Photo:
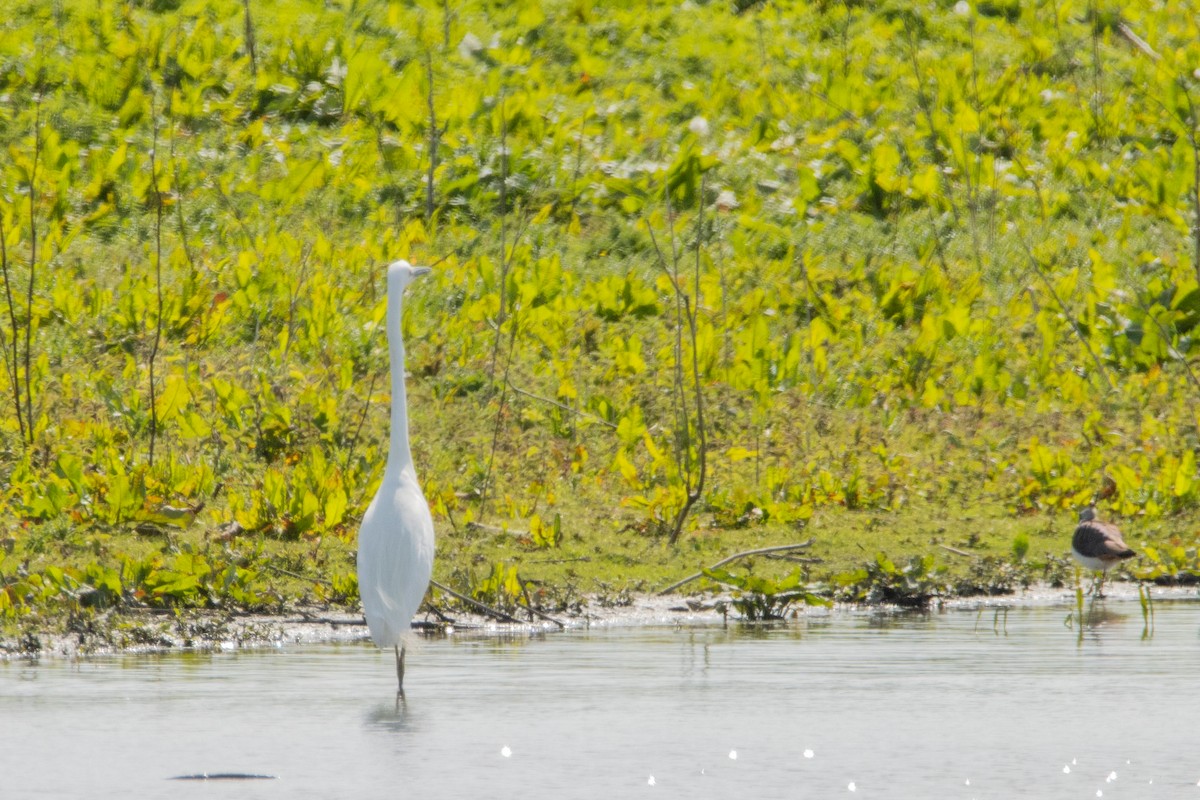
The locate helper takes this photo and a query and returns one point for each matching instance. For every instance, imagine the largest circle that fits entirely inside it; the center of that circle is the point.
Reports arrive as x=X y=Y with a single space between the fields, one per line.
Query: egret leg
x=399 y=670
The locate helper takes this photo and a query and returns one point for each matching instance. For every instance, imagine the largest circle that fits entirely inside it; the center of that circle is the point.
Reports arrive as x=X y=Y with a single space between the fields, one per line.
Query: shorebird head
x=1088 y=514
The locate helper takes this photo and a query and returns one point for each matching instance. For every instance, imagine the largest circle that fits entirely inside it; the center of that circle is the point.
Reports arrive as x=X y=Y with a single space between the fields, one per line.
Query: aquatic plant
x=757 y=598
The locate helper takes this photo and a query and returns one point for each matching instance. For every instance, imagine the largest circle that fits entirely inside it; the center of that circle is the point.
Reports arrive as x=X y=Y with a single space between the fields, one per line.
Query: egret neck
x=400 y=460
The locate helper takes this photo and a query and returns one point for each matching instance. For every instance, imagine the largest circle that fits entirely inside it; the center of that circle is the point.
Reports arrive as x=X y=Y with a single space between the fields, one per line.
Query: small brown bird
x=1098 y=545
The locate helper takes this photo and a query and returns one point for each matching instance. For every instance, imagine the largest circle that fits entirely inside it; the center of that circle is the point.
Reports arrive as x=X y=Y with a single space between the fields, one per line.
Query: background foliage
x=942 y=260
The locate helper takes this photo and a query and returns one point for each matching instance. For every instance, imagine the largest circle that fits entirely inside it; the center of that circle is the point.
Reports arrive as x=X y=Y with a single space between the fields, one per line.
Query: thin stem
x=250 y=48
x=37 y=152
x=695 y=492
x=12 y=363
x=187 y=250
x=1037 y=268
x=503 y=288
x=434 y=136
x=158 y=210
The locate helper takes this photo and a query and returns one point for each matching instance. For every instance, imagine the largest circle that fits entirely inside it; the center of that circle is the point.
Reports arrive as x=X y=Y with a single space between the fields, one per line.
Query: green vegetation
x=899 y=275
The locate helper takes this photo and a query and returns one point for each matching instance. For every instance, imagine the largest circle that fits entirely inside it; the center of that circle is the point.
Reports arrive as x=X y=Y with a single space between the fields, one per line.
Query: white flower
x=469 y=46
x=962 y=8
x=698 y=126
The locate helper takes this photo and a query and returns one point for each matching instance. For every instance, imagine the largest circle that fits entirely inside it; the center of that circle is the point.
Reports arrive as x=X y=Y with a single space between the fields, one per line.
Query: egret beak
x=421 y=270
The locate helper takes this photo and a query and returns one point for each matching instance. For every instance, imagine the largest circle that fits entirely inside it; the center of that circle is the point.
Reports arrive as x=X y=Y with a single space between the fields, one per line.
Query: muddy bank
x=154 y=631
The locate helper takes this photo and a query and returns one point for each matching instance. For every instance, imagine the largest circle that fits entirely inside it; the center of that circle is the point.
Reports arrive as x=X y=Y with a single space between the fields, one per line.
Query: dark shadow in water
x=396 y=716
x=898 y=618
x=1096 y=615
x=225 y=776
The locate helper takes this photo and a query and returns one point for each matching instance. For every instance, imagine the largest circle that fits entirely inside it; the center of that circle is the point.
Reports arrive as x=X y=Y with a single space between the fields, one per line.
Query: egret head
x=401 y=273
x=1088 y=514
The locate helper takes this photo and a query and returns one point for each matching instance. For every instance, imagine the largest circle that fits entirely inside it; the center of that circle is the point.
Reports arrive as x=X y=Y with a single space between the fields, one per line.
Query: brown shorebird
x=1098 y=545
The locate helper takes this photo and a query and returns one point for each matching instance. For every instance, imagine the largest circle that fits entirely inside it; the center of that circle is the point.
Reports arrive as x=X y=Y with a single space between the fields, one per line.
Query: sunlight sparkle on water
x=506 y=751
x=1066 y=769
x=651 y=781
x=852 y=787
x=733 y=754
x=808 y=753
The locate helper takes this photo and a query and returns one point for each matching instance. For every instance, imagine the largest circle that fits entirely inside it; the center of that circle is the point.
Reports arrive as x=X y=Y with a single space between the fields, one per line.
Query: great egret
x=1098 y=545
x=395 y=542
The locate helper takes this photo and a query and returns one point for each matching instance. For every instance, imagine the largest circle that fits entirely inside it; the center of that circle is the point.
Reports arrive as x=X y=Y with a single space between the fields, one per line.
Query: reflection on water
x=941 y=704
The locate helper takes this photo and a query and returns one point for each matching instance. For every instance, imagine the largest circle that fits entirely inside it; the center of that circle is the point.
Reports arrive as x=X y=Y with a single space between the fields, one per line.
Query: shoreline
x=151 y=632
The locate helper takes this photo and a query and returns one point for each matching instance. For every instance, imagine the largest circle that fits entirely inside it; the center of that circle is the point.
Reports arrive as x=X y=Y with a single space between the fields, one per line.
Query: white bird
x=395 y=542
x=1098 y=545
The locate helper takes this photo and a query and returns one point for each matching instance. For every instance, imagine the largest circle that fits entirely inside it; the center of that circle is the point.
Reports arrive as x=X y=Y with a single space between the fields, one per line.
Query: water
x=900 y=706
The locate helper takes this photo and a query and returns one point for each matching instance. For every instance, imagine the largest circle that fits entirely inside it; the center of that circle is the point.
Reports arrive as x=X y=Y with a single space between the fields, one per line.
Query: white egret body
x=395 y=542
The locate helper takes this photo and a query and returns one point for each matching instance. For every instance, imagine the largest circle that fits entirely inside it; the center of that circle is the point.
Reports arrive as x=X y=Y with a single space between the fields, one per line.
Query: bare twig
x=13 y=365
x=956 y=551
x=503 y=288
x=1137 y=41
x=1037 y=268
x=361 y=420
x=564 y=407
x=479 y=526
x=158 y=211
x=37 y=153
x=493 y=612
x=250 y=48
x=539 y=614
x=780 y=548
x=434 y=136
x=297 y=575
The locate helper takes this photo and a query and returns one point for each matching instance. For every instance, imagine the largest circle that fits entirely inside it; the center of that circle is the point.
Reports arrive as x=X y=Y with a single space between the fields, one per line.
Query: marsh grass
x=943 y=284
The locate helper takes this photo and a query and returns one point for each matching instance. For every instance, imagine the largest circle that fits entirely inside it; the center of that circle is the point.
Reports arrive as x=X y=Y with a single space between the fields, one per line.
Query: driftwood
x=290 y=574
x=1138 y=42
x=495 y=612
x=479 y=526
x=780 y=548
x=542 y=615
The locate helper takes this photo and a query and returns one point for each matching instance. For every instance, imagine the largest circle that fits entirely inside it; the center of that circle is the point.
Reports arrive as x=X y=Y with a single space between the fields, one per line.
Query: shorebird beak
x=421 y=270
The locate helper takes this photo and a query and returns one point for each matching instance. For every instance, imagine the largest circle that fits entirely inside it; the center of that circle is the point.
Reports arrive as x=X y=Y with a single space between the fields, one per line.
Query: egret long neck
x=400 y=459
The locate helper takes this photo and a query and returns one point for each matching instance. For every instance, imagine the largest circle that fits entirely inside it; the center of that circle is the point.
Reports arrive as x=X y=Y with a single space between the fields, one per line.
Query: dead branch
x=492 y=612
x=780 y=548
x=541 y=615
x=1138 y=42
x=481 y=526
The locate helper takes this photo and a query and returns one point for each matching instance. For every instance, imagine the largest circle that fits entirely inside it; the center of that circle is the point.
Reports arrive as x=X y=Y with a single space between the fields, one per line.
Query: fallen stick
x=780 y=548
x=1137 y=41
x=956 y=551
x=495 y=612
x=290 y=574
x=479 y=526
x=546 y=617
x=794 y=559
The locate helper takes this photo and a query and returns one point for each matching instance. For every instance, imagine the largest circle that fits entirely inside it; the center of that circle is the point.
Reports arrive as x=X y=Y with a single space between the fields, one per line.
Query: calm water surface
x=909 y=706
